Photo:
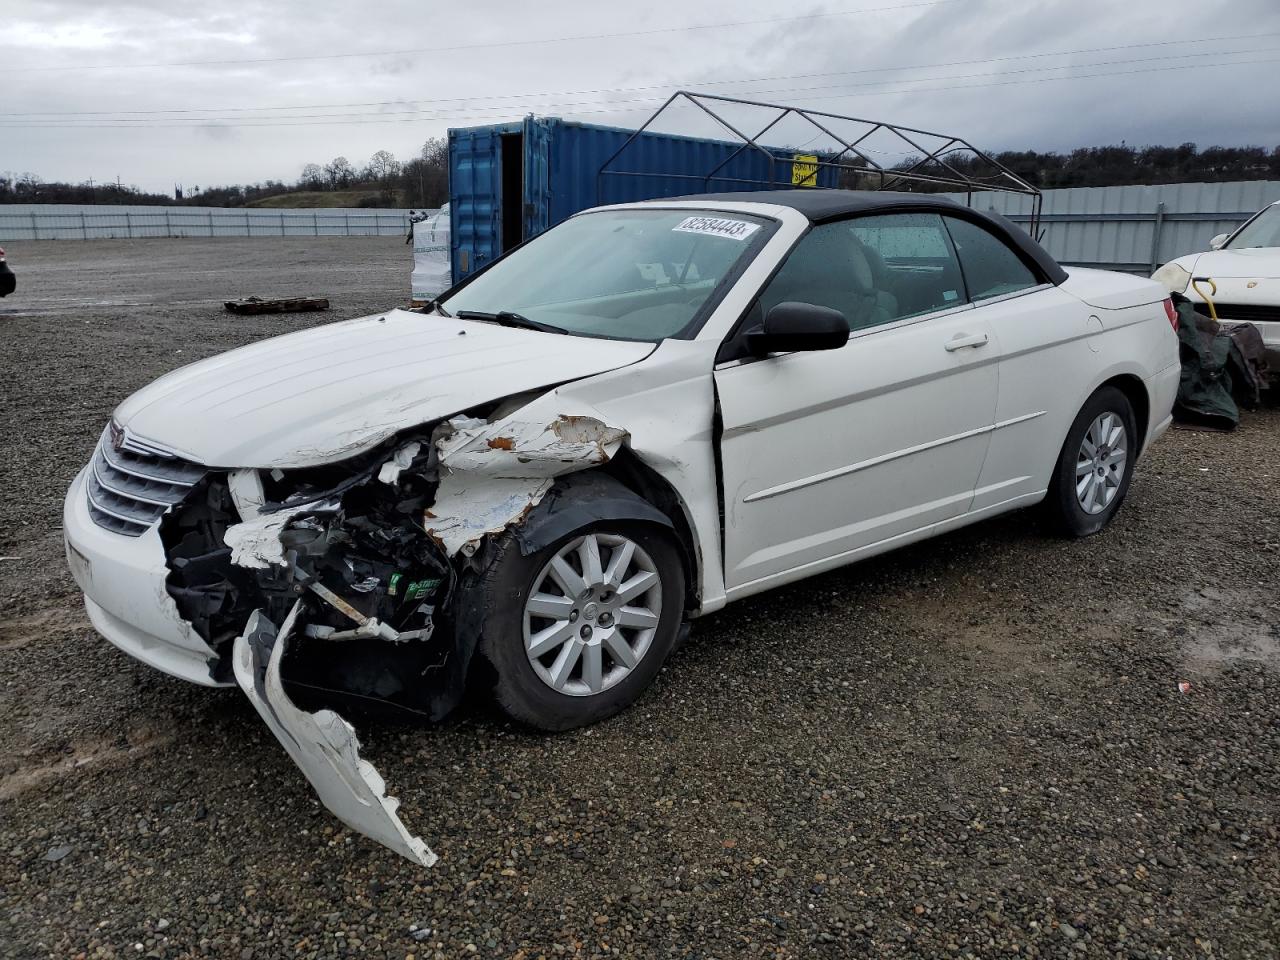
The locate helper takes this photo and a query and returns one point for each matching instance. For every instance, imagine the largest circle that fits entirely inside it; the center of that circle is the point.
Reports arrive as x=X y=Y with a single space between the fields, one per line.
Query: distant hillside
x=329 y=198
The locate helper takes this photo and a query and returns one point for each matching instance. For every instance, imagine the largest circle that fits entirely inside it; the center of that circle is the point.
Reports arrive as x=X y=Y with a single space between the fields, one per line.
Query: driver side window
x=874 y=270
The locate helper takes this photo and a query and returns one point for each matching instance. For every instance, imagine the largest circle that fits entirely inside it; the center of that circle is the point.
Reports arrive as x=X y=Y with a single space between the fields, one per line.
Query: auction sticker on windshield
x=717 y=227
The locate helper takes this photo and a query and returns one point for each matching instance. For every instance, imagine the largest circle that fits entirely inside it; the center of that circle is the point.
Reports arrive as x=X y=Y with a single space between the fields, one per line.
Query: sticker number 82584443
x=717 y=227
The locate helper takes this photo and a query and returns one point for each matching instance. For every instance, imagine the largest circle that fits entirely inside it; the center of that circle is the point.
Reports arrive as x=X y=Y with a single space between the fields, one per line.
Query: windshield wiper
x=507 y=318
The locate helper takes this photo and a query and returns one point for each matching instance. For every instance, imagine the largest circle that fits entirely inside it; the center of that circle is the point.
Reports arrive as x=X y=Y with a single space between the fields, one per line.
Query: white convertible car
x=639 y=416
x=1245 y=269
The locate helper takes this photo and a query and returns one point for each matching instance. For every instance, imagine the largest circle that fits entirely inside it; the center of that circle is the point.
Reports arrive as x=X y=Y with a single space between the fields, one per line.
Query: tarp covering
x=1218 y=360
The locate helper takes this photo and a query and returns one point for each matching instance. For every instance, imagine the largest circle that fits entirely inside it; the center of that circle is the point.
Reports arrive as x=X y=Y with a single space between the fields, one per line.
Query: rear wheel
x=576 y=631
x=1095 y=466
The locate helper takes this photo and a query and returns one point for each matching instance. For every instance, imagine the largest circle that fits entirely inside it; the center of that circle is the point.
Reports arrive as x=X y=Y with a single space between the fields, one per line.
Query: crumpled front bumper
x=482 y=476
x=322 y=744
x=123 y=579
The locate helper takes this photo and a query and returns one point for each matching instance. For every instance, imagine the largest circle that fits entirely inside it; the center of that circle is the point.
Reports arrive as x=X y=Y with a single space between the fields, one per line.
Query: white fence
x=1134 y=228
x=57 y=221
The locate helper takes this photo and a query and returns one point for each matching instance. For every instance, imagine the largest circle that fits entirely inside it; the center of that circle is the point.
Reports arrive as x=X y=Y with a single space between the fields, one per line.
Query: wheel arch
x=648 y=484
x=1135 y=391
x=626 y=489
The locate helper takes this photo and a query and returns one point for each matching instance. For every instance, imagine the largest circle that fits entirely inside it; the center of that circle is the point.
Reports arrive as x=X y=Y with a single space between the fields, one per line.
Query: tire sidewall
x=518 y=688
x=1070 y=515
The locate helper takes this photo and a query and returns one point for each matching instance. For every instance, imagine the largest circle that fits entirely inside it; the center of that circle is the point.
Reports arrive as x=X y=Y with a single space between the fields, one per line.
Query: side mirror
x=793 y=327
x=1217 y=242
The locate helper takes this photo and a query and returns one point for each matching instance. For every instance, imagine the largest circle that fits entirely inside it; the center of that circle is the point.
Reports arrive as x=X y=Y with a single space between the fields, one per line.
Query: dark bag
x=1204 y=392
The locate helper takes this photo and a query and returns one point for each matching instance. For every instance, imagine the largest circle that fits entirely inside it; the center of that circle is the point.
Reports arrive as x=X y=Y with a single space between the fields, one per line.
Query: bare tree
x=383 y=167
x=312 y=177
x=425 y=178
x=339 y=173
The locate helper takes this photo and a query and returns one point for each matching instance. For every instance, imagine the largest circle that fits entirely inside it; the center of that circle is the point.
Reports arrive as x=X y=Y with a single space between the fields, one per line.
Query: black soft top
x=821 y=206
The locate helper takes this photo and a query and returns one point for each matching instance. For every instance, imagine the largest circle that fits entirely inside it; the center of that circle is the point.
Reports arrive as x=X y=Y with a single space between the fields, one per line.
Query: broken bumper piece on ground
x=322 y=744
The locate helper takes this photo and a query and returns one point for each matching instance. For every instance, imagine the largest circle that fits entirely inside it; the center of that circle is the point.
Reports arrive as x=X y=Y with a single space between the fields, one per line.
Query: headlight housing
x=1174 y=277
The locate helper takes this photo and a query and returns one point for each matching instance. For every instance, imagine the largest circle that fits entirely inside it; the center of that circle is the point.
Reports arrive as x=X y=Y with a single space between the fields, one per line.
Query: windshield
x=622 y=274
x=1262 y=231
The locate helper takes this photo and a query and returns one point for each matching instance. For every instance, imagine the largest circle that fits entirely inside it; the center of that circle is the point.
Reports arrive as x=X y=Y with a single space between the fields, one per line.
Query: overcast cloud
x=926 y=65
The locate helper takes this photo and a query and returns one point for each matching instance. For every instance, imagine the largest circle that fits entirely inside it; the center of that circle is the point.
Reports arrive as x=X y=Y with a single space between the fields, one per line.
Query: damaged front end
x=340 y=584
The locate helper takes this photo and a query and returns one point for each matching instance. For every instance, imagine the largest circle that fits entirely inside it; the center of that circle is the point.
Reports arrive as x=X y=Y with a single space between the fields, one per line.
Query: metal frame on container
x=1002 y=179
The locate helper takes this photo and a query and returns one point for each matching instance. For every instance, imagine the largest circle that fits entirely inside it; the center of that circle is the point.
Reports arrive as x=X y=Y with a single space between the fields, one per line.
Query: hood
x=330 y=392
x=1259 y=263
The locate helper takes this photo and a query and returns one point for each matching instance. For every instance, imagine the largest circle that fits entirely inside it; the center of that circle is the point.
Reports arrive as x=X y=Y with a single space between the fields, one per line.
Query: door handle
x=962 y=340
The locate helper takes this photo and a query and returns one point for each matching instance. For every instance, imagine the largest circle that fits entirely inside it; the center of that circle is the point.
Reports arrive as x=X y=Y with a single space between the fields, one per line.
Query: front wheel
x=1095 y=466
x=576 y=631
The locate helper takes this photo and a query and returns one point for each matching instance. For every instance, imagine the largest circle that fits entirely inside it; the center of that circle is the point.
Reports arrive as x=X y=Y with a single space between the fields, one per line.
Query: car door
x=828 y=455
x=1047 y=342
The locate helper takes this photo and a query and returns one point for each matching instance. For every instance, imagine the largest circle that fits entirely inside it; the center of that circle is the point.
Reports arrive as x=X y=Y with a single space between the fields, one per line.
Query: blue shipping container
x=511 y=181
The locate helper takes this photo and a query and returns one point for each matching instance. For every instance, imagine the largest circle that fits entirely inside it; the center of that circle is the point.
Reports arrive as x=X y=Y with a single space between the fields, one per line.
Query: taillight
x=1 y=254
x=1171 y=313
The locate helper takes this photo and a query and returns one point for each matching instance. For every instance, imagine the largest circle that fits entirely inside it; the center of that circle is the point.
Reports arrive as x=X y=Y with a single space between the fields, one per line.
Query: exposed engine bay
x=351 y=548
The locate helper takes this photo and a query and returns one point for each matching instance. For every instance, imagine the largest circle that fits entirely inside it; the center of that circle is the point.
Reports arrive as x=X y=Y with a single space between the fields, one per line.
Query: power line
x=665 y=86
x=481 y=46
x=413 y=116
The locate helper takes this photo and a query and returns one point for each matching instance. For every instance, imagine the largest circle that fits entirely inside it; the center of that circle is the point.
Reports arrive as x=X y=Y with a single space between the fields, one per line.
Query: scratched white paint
x=255 y=543
x=492 y=474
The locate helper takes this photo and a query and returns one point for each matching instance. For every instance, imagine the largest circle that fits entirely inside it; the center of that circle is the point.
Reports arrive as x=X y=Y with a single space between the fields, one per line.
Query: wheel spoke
x=637 y=617
x=550 y=606
x=544 y=641
x=1084 y=467
x=1083 y=486
x=568 y=579
x=619 y=649
x=618 y=564
x=637 y=585
x=589 y=553
x=1091 y=495
x=565 y=662
x=593 y=667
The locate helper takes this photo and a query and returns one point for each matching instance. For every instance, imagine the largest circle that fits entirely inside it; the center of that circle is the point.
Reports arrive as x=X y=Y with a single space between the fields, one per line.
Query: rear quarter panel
x=1053 y=358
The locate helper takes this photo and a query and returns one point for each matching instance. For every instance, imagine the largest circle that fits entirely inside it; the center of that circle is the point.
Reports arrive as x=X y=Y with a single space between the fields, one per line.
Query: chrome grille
x=129 y=488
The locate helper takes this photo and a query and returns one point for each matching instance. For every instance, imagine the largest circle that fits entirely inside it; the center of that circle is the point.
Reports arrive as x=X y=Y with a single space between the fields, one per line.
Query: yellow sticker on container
x=804 y=170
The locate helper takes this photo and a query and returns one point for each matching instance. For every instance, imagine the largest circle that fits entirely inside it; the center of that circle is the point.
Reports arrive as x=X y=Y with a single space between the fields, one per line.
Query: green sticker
x=420 y=589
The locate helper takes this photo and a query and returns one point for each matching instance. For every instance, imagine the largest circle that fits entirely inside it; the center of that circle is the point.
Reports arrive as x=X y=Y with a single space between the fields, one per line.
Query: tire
x=524 y=689
x=1079 y=504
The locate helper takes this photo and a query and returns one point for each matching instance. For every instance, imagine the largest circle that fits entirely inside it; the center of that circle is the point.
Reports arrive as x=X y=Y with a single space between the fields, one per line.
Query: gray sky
x=81 y=65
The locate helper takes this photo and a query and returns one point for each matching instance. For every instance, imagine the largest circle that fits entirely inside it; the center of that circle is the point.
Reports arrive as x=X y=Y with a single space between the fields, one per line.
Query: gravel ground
x=973 y=747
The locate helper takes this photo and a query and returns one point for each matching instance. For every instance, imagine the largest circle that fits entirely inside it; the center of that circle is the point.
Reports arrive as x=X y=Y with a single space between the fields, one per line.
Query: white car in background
x=642 y=414
x=1245 y=268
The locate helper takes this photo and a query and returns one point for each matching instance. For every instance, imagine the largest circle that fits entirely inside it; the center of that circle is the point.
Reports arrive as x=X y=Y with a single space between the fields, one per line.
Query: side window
x=915 y=259
x=991 y=268
x=874 y=270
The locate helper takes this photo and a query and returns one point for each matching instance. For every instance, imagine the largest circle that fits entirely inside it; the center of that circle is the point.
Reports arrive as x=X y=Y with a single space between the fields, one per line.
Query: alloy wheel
x=1101 y=463
x=592 y=614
